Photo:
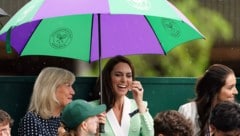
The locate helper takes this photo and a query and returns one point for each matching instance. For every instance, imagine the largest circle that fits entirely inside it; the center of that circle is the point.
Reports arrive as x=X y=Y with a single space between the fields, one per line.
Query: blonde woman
x=51 y=93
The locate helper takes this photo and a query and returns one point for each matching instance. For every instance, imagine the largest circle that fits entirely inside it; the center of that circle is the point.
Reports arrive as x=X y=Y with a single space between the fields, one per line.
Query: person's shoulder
x=188 y=109
x=30 y=114
x=188 y=105
x=27 y=119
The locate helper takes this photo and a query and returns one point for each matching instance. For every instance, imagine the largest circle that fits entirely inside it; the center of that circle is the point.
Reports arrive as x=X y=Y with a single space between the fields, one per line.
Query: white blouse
x=189 y=110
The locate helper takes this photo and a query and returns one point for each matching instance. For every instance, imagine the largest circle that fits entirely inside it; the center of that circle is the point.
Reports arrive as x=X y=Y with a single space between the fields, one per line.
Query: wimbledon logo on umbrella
x=60 y=38
x=171 y=27
x=140 y=4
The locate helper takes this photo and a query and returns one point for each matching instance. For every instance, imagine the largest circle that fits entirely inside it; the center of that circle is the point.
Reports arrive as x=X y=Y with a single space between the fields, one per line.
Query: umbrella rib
x=155 y=35
x=90 y=54
x=100 y=54
x=101 y=125
x=99 y=37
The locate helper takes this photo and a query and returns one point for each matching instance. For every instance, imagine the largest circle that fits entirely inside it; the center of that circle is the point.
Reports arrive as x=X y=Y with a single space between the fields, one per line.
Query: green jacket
x=139 y=125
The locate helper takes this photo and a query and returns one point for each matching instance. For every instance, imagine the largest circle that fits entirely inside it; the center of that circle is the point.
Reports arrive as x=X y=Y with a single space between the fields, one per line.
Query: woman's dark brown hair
x=108 y=97
x=207 y=89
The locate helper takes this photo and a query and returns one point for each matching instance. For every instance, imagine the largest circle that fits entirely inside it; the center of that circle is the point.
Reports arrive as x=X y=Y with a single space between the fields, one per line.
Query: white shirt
x=189 y=110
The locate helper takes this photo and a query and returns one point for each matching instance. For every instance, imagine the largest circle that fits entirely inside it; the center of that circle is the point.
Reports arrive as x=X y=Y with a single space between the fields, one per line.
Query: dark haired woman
x=216 y=85
x=125 y=116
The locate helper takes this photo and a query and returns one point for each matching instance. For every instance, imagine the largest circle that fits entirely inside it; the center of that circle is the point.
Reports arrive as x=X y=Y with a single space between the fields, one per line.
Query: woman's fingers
x=137 y=86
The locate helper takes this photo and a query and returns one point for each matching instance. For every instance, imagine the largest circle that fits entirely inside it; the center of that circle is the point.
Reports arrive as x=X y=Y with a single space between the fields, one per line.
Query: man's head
x=225 y=119
x=5 y=123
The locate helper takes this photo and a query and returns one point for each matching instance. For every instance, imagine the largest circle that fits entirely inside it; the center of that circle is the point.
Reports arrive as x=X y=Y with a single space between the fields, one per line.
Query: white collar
x=125 y=122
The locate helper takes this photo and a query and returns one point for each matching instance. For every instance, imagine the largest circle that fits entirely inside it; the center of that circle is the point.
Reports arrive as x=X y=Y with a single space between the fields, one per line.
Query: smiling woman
x=51 y=93
x=125 y=116
x=216 y=85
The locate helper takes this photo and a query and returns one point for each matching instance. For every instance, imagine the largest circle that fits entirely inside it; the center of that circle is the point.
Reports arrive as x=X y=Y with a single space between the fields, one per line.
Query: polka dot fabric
x=33 y=125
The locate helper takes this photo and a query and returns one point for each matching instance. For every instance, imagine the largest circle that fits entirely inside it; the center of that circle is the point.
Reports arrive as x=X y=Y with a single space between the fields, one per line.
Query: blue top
x=33 y=125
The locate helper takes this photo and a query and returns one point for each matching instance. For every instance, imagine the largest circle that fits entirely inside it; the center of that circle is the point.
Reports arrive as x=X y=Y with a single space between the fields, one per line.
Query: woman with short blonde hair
x=52 y=91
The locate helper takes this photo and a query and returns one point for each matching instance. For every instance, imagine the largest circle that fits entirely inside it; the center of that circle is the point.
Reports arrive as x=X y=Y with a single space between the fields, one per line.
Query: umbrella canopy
x=93 y=29
x=90 y=30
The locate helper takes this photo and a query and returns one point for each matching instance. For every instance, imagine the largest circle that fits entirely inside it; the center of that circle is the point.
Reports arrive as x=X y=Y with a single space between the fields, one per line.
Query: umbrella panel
x=124 y=35
x=171 y=33
x=78 y=37
x=126 y=28
x=64 y=37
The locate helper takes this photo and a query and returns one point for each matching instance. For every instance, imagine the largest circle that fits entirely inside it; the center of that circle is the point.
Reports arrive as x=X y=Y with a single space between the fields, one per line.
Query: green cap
x=79 y=110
